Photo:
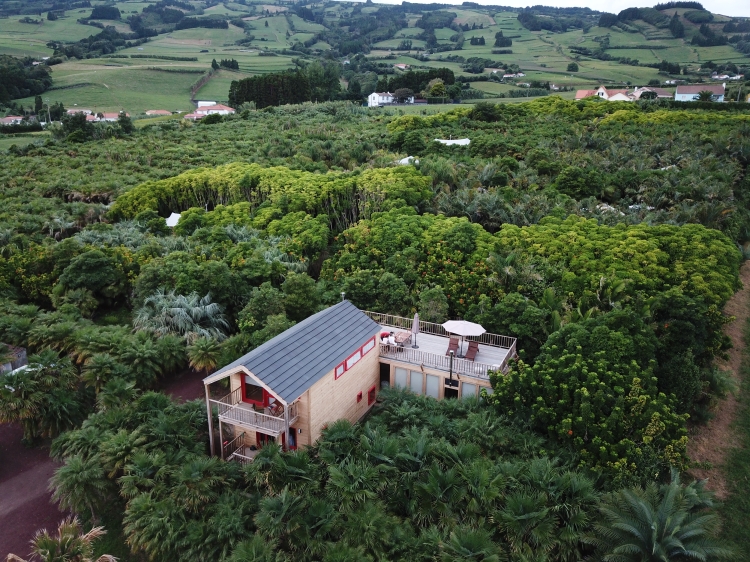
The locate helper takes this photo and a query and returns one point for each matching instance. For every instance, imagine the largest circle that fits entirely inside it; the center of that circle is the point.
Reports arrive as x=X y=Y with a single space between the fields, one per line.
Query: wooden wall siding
x=333 y=399
x=235 y=381
x=303 y=422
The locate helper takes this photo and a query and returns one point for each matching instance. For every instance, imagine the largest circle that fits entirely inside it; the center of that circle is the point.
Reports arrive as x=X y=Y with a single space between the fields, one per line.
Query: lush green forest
x=606 y=237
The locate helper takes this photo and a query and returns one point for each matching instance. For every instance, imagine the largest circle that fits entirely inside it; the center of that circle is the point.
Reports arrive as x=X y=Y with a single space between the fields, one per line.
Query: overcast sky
x=725 y=7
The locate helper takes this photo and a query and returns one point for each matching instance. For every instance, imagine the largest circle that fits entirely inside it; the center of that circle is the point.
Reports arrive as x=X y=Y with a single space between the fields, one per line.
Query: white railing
x=441 y=362
x=494 y=340
x=230 y=411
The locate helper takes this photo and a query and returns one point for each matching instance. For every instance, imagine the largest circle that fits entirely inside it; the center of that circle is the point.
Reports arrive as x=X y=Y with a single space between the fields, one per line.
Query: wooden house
x=330 y=367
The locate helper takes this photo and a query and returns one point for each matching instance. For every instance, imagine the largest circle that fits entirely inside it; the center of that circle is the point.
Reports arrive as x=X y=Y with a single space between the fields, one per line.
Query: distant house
x=456 y=142
x=329 y=367
x=79 y=110
x=17 y=358
x=11 y=120
x=401 y=66
x=622 y=95
x=376 y=99
x=691 y=92
x=214 y=109
x=111 y=117
x=660 y=93
x=158 y=112
x=205 y=103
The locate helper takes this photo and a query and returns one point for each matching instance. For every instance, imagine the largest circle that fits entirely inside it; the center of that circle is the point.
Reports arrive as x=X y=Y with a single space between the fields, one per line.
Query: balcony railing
x=234 y=450
x=494 y=340
x=441 y=362
x=233 y=410
x=228 y=448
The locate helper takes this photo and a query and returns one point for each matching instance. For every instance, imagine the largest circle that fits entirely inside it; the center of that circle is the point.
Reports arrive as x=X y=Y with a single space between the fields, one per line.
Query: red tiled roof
x=217 y=107
x=580 y=94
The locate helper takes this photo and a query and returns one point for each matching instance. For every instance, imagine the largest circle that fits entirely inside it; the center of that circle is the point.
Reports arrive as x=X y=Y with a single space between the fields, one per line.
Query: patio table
x=402 y=337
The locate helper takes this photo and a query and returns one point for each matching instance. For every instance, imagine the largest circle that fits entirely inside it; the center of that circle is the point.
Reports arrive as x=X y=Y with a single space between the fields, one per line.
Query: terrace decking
x=494 y=350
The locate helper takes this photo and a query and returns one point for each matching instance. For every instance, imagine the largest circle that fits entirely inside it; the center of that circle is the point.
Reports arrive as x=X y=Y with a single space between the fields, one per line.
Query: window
x=253 y=393
x=432 y=386
x=368 y=346
x=468 y=390
x=359 y=397
x=416 y=382
x=371 y=395
x=401 y=377
x=354 y=358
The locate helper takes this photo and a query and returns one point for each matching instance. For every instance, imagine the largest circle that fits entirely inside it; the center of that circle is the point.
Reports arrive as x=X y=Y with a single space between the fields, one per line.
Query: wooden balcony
x=233 y=410
x=494 y=350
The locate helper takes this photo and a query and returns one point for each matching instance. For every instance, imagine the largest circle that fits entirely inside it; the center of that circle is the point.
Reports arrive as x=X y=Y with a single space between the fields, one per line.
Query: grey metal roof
x=296 y=359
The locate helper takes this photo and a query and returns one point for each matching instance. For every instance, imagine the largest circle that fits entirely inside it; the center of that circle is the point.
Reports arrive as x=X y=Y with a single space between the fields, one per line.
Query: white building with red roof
x=11 y=120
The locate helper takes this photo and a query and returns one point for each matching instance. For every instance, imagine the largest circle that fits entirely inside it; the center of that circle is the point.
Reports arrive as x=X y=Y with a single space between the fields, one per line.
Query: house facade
x=376 y=99
x=203 y=110
x=330 y=367
x=691 y=92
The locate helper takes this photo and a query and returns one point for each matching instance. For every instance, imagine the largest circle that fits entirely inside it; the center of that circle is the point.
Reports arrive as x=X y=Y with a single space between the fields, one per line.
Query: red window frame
x=266 y=395
x=357 y=355
x=359 y=397
x=371 y=394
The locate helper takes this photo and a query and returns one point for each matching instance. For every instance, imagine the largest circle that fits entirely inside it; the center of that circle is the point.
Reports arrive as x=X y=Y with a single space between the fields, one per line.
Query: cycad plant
x=190 y=316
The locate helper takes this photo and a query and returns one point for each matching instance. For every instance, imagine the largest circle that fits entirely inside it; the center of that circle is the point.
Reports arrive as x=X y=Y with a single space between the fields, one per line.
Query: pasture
x=137 y=84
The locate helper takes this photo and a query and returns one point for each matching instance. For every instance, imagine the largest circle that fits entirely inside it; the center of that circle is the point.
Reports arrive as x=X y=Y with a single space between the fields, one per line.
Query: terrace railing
x=441 y=362
x=494 y=340
x=232 y=411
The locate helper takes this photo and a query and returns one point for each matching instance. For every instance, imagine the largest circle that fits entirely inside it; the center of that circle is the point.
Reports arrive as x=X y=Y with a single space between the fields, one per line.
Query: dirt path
x=25 y=504
x=711 y=442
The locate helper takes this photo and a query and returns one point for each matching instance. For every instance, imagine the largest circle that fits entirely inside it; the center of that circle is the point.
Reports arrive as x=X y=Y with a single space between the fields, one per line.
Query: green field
x=132 y=84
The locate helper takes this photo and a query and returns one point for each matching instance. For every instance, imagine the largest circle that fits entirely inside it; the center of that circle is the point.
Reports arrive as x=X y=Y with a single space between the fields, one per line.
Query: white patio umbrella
x=415 y=329
x=463 y=328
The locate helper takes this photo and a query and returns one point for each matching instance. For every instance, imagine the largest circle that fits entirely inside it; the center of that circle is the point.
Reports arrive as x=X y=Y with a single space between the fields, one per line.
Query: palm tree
x=26 y=395
x=189 y=316
x=204 y=354
x=142 y=356
x=257 y=549
x=657 y=524
x=79 y=484
x=472 y=546
x=197 y=483
x=705 y=95
x=115 y=394
x=98 y=370
x=171 y=353
x=71 y=544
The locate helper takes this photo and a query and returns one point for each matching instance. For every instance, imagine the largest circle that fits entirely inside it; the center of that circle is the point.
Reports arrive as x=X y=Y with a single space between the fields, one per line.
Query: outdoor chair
x=452 y=346
x=472 y=351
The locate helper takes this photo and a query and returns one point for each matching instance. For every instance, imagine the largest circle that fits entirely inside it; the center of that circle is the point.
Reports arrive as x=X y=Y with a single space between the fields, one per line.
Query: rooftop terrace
x=494 y=350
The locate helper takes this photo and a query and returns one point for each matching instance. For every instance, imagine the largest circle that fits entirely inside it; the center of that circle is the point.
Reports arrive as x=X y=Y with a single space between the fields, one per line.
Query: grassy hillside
x=133 y=84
